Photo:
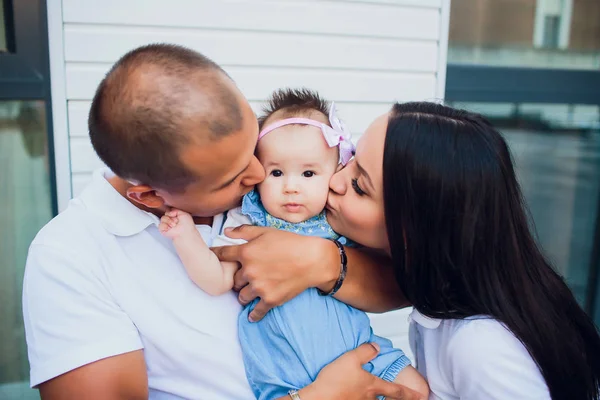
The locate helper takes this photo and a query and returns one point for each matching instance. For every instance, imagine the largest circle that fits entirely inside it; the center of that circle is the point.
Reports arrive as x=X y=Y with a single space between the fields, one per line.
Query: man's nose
x=254 y=174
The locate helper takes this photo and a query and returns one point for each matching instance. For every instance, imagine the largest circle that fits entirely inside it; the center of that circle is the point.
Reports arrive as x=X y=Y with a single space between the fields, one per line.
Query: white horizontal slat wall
x=362 y=54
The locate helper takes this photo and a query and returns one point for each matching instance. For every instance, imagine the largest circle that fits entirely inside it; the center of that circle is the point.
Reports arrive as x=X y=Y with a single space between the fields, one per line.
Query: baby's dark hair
x=294 y=103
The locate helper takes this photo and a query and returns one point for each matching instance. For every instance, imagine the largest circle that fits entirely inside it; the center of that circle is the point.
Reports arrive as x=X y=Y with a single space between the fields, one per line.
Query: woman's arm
x=276 y=266
x=370 y=284
x=345 y=379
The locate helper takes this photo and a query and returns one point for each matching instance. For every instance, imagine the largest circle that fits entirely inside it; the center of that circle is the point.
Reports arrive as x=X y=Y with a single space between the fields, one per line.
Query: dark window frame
x=482 y=83
x=9 y=25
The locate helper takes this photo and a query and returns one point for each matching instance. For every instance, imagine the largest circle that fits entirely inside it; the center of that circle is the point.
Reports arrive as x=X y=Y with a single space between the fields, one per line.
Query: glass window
x=556 y=148
x=26 y=207
x=551 y=31
x=526 y=33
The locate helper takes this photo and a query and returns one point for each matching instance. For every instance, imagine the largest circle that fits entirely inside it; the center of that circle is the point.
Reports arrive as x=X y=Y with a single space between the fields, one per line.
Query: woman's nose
x=337 y=183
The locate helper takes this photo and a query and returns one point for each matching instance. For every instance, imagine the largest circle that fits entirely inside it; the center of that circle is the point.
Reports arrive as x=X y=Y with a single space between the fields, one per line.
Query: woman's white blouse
x=474 y=358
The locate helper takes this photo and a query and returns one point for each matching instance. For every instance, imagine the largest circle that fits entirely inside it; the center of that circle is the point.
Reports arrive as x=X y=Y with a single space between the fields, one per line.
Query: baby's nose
x=291 y=186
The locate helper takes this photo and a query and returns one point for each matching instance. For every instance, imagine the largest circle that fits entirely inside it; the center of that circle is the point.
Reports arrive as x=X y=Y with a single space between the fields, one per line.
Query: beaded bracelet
x=343 y=270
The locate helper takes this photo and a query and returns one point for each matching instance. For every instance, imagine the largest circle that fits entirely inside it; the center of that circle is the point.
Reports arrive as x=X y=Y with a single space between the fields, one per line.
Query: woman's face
x=355 y=202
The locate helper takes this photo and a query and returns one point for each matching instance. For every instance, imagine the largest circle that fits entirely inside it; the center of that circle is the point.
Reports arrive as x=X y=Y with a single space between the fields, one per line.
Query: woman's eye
x=357 y=188
x=276 y=173
x=308 y=174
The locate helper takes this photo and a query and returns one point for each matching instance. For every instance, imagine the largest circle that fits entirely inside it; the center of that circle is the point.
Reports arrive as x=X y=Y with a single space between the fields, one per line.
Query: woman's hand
x=346 y=379
x=277 y=265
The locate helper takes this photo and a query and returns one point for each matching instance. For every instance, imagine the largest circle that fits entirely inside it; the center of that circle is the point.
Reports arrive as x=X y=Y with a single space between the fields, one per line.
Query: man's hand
x=346 y=379
x=262 y=273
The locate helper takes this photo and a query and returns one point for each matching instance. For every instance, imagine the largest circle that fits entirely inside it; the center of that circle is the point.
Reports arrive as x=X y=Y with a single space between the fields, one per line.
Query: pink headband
x=335 y=135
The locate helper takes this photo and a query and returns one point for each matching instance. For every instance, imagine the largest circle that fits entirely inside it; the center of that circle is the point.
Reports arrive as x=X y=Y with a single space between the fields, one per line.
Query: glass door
x=533 y=68
x=27 y=195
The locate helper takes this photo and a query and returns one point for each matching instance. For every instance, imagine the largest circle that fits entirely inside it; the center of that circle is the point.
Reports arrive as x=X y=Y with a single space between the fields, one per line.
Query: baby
x=301 y=144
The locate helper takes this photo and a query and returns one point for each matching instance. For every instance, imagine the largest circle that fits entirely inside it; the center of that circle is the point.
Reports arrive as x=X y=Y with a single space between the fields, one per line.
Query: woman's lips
x=328 y=207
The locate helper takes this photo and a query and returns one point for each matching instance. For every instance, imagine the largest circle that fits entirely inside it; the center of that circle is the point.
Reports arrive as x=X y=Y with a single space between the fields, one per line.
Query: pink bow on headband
x=335 y=135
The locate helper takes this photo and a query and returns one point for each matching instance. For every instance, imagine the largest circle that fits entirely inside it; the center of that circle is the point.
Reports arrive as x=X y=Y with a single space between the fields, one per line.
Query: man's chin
x=227 y=208
x=217 y=211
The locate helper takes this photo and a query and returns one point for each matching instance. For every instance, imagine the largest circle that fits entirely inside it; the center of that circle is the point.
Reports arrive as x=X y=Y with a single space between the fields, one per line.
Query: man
x=109 y=310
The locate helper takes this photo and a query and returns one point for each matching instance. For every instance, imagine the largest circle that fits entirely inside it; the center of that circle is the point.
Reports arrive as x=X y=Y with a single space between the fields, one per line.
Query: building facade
x=364 y=55
x=531 y=66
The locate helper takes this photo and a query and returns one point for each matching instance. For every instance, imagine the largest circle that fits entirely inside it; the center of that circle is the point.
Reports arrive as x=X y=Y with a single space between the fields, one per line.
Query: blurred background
x=531 y=66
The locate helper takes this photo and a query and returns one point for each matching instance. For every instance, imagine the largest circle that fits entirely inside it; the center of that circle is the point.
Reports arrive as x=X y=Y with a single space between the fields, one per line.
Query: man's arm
x=276 y=266
x=119 y=377
x=81 y=344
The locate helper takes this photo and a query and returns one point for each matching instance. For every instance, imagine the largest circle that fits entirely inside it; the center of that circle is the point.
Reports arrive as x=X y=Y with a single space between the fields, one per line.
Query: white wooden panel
x=364 y=54
x=357 y=116
x=402 y=342
x=83 y=156
x=442 y=58
x=360 y=19
x=256 y=48
x=257 y=84
x=406 y=3
x=394 y=326
x=389 y=324
x=79 y=182
x=78 y=118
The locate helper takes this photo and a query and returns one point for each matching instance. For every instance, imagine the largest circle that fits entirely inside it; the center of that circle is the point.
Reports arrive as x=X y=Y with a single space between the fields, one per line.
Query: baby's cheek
x=321 y=191
x=265 y=186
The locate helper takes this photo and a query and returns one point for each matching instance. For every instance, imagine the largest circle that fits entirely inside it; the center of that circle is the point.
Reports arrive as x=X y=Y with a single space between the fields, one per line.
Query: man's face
x=226 y=169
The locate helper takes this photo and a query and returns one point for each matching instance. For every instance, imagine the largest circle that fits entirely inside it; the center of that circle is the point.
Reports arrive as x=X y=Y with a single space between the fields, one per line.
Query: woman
x=435 y=189
x=492 y=319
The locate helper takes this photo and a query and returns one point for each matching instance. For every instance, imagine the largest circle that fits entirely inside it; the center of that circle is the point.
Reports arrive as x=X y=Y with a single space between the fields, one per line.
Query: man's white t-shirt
x=472 y=359
x=101 y=280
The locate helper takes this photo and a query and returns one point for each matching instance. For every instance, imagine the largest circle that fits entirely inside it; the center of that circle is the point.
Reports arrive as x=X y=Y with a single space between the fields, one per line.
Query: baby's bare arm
x=410 y=378
x=202 y=265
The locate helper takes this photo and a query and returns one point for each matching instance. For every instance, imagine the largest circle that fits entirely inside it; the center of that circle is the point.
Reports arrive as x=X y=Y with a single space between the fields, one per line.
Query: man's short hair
x=293 y=103
x=148 y=104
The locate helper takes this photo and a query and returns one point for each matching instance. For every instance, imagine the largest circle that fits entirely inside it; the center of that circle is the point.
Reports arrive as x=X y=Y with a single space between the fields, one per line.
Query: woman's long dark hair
x=462 y=246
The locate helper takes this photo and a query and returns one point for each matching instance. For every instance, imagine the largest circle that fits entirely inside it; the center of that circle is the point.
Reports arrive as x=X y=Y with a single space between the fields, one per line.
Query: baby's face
x=298 y=165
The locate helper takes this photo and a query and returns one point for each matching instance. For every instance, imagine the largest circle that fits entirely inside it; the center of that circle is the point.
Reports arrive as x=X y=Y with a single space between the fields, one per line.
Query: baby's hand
x=176 y=223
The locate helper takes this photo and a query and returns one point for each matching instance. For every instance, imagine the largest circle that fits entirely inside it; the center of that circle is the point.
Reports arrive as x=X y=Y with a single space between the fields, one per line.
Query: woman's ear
x=145 y=195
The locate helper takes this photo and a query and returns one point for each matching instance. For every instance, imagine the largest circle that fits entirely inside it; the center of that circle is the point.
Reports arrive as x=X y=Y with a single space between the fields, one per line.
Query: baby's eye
x=308 y=174
x=276 y=173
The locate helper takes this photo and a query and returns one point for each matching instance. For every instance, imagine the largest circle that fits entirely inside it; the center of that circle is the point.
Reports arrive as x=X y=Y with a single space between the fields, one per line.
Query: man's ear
x=145 y=195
